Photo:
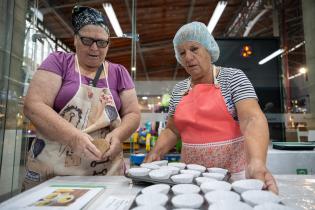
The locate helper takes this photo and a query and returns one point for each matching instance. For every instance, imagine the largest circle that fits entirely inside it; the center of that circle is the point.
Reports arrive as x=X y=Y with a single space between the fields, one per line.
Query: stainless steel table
x=296 y=190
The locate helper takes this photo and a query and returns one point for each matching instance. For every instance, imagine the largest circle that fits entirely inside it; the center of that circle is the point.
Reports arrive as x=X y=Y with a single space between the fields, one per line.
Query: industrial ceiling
x=158 y=20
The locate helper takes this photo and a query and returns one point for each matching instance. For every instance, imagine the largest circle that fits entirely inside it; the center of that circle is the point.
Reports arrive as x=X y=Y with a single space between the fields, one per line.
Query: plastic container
x=200 y=180
x=188 y=201
x=178 y=165
x=160 y=174
x=215 y=185
x=172 y=157
x=137 y=159
x=193 y=172
x=221 y=195
x=185 y=189
x=196 y=167
x=243 y=185
x=149 y=166
x=151 y=199
x=138 y=172
x=230 y=205
x=217 y=170
x=183 y=178
x=217 y=176
x=156 y=188
x=149 y=207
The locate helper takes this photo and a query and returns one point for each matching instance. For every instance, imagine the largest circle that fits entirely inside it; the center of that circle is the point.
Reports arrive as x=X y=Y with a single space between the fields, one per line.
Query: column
x=308 y=8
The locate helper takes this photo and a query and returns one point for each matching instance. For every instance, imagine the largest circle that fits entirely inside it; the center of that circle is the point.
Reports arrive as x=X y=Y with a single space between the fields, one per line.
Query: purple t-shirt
x=62 y=64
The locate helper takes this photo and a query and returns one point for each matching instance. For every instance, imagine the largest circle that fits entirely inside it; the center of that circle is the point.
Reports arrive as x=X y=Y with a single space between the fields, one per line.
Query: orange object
x=210 y=135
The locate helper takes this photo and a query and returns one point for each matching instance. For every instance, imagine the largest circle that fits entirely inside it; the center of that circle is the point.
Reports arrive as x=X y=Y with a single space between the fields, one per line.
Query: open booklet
x=53 y=197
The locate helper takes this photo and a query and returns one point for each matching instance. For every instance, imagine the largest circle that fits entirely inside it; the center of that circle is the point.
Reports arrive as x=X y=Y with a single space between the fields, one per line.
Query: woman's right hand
x=152 y=156
x=82 y=144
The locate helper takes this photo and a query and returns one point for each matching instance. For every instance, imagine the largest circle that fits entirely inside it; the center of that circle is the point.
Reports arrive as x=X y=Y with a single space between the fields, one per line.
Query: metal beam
x=138 y=46
x=261 y=31
x=190 y=12
x=242 y=17
x=152 y=47
x=294 y=31
x=59 y=16
x=252 y=23
x=296 y=18
x=157 y=43
x=161 y=69
x=234 y=19
x=45 y=10
x=275 y=19
x=296 y=63
x=296 y=37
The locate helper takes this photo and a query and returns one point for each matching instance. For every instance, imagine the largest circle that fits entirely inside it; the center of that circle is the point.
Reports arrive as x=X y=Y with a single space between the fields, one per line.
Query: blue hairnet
x=198 y=32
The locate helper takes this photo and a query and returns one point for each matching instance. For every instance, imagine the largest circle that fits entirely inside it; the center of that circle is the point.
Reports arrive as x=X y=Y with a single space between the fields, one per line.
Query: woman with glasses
x=76 y=99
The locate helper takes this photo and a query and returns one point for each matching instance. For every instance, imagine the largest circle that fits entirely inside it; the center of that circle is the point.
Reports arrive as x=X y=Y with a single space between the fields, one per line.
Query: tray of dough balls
x=162 y=172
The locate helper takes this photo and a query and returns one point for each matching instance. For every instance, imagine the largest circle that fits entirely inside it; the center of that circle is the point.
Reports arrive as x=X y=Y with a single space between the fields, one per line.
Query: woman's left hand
x=115 y=146
x=260 y=171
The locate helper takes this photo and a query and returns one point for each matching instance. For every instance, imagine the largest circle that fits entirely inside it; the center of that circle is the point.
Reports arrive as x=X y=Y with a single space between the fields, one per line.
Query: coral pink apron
x=211 y=137
x=91 y=110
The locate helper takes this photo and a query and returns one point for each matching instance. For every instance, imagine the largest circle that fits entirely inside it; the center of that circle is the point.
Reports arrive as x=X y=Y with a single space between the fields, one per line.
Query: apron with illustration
x=91 y=110
x=211 y=137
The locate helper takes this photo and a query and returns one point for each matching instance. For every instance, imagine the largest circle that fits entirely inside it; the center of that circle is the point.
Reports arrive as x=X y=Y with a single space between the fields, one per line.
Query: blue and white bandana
x=82 y=16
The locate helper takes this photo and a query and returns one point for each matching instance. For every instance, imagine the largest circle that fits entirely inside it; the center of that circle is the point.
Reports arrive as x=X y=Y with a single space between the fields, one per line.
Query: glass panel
x=11 y=87
x=23 y=48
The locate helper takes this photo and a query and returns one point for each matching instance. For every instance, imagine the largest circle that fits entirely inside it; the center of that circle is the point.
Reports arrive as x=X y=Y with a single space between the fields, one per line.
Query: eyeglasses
x=87 y=41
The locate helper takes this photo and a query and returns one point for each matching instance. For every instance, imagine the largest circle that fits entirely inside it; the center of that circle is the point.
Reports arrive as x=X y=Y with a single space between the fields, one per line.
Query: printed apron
x=91 y=110
x=210 y=136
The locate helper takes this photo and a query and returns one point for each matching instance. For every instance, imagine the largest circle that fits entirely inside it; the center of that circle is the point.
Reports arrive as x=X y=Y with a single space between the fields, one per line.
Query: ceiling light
x=271 y=56
x=216 y=15
x=296 y=75
x=112 y=18
x=302 y=70
x=246 y=51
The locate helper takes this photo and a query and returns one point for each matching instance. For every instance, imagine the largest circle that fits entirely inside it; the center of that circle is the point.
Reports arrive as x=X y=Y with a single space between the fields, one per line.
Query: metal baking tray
x=293 y=145
x=148 y=180
x=169 y=205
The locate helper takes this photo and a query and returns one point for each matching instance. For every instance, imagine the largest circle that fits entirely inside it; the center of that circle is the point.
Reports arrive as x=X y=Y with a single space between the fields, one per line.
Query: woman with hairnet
x=215 y=112
x=76 y=100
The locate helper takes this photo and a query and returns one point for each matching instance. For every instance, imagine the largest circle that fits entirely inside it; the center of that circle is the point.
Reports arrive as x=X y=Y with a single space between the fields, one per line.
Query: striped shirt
x=234 y=84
